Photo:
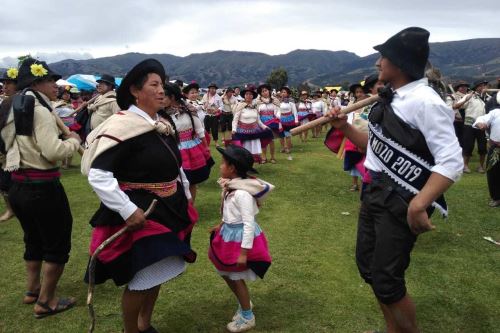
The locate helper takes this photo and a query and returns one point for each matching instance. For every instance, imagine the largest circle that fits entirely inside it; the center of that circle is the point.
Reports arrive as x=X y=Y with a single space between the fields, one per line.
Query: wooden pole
x=325 y=119
x=91 y=269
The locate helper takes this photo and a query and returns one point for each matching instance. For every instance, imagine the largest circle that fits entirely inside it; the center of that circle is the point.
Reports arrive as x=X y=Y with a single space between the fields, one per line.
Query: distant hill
x=466 y=59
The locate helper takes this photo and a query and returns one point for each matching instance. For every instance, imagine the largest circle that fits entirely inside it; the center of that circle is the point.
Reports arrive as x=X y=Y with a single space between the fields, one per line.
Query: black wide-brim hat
x=192 y=85
x=407 y=50
x=477 y=83
x=124 y=97
x=354 y=86
x=287 y=90
x=250 y=89
x=106 y=78
x=32 y=70
x=262 y=86
x=212 y=85
x=241 y=158
x=370 y=81
x=460 y=84
x=5 y=78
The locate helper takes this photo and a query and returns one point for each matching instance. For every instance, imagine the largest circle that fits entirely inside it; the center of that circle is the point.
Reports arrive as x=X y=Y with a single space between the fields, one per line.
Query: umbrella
x=64 y=83
x=83 y=82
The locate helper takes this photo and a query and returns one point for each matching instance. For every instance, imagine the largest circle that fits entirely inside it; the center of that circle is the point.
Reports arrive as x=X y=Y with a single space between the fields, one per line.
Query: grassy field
x=313 y=284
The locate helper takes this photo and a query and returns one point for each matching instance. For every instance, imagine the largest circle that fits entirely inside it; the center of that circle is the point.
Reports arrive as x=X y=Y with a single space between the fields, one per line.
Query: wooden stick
x=492 y=90
x=66 y=131
x=325 y=119
x=111 y=239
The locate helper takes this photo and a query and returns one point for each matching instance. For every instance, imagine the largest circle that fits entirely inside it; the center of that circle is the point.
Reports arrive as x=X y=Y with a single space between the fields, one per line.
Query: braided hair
x=174 y=92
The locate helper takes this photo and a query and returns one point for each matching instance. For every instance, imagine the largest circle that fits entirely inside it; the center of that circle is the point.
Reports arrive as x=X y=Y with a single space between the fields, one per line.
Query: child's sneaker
x=238 y=312
x=241 y=324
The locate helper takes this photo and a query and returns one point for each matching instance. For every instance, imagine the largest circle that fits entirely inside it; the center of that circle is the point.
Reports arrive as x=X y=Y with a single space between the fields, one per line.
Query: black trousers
x=459 y=132
x=226 y=121
x=470 y=136
x=493 y=176
x=45 y=216
x=212 y=126
x=384 y=240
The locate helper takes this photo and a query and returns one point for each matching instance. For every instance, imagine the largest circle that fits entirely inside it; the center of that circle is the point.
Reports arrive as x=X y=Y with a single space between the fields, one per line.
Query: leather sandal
x=63 y=304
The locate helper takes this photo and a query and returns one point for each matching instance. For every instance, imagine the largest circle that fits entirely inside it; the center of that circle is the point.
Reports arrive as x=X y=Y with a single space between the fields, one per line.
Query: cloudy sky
x=54 y=30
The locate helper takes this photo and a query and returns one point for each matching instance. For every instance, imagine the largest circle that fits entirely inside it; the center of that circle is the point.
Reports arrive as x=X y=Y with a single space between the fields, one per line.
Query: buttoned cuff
x=127 y=210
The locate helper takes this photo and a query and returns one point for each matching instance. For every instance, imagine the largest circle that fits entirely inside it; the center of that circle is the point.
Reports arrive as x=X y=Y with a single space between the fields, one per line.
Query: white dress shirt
x=492 y=119
x=106 y=185
x=420 y=106
x=241 y=207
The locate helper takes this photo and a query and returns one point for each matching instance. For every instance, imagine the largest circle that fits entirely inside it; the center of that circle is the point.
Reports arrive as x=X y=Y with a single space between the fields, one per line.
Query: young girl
x=196 y=159
x=289 y=119
x=238 y=247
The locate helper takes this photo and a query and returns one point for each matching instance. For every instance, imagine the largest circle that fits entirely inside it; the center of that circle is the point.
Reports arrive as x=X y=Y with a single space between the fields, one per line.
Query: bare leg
x=466 y=161
x=132 y=302
x=33 y=280
x=147 y=308
x=390 y=323
x=482 y=158
x=272 y=149
x=192 y=190
x=8 y=214
x=282 y=144
x=51 y=274
x=240 y=290
x=404 y=314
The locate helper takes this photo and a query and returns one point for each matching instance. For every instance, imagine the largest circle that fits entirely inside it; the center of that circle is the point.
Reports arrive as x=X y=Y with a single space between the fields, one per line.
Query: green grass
x=313 y=284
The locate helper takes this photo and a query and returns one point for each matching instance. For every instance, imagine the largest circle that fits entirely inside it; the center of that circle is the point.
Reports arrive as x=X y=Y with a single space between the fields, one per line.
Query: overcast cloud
x=54 y=30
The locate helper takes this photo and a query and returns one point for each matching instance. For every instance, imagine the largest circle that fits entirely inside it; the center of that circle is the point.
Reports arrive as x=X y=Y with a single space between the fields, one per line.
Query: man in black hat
x=226 y=118
x=213 y=105
x=105 y=105
x=408 y=179
x=470 y=106
x=34 y=149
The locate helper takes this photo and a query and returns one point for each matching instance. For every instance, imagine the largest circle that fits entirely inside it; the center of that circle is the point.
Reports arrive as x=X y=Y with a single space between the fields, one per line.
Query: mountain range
x=466 y=59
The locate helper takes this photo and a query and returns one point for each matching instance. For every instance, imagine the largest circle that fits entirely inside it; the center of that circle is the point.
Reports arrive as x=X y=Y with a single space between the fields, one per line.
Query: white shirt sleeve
x=245 y=203
x=106 y=187
x=436 y=124
x=185 y=183
x=485 y=119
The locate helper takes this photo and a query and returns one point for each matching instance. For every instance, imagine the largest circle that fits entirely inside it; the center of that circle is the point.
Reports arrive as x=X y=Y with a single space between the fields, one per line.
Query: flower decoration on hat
x=12 y=73
x=38 y=70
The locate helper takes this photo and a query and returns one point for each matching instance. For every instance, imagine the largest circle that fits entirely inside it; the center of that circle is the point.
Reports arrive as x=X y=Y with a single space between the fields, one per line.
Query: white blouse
x=241 y=207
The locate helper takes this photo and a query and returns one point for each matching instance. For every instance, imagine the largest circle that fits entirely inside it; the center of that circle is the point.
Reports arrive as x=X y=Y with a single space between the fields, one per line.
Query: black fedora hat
x=250 y=88
x=32 y=70
x=212 y=85
x=229 y=89
x=478 y=83
x=354 y=86
x=241 y=158
x=287 y=89
x=124 y=97
x=370 y=81
x=460 y=84
x=262 y=86
x=408 y=50
x=10 y=74
x=192 y=85
x=106 y=78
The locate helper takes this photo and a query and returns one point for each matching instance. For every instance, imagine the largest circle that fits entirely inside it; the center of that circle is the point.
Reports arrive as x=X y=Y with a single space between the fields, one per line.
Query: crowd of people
x=149 y=139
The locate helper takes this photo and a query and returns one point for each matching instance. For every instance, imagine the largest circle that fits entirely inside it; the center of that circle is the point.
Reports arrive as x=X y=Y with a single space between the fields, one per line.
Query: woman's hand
x=242 y=259
x=482 y=126
x=136 y=220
